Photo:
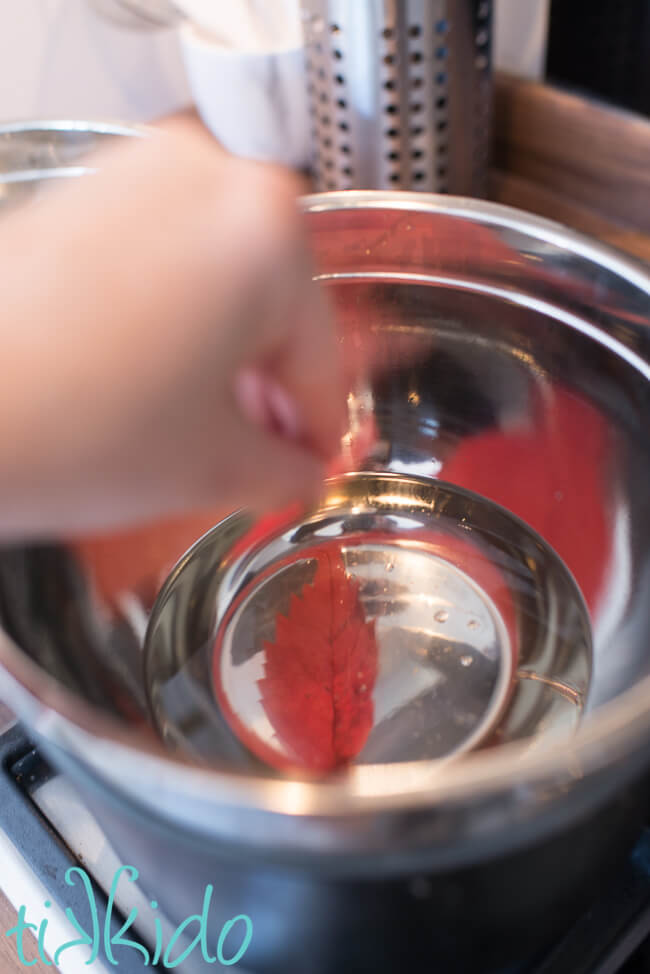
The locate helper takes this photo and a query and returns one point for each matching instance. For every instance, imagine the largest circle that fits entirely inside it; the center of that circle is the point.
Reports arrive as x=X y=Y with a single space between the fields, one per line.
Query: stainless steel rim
x=105 y=127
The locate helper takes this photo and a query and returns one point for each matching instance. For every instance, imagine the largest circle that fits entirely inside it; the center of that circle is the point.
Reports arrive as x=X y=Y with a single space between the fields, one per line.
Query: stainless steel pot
x=525 y=312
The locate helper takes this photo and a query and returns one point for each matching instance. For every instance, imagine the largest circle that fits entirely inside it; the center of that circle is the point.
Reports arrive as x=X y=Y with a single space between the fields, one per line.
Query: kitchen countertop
x=8 y=959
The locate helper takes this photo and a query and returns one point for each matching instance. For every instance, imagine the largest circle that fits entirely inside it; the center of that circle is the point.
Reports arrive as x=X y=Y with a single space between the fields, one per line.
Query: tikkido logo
x=231 y=944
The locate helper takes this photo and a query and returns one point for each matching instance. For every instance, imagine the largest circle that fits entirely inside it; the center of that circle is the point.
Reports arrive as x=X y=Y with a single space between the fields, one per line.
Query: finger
x=309 y=370
x=290 y=333
x=262 y=470
x=266 y=404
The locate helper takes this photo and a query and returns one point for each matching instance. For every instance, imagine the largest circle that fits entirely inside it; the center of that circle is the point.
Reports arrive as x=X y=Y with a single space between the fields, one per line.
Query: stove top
x=45 y=831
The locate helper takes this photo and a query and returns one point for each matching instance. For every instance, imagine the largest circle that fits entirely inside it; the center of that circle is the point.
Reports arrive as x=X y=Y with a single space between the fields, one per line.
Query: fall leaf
x=320 y=670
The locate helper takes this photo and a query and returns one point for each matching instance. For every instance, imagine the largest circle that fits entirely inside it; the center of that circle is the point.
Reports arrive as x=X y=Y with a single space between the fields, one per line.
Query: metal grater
x=400 y=93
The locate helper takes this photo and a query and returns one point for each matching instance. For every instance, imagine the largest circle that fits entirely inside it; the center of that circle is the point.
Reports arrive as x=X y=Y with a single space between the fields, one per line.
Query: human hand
x=165 y=348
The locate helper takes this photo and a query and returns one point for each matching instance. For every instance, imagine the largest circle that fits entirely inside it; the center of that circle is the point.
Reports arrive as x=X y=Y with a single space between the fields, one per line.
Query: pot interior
x=490 y=508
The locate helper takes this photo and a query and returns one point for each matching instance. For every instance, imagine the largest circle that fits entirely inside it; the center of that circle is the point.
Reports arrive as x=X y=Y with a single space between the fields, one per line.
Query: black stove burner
x=613 y=937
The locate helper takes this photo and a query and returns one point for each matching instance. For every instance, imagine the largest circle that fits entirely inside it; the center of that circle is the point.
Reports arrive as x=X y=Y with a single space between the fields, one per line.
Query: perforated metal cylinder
x=400 y=93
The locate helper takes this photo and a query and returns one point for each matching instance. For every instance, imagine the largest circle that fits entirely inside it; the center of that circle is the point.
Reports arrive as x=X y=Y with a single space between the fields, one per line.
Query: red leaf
x=321 y=669
x=319 y=675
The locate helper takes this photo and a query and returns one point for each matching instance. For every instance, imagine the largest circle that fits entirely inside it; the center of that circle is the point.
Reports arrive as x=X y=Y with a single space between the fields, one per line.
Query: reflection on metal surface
x=575 y=696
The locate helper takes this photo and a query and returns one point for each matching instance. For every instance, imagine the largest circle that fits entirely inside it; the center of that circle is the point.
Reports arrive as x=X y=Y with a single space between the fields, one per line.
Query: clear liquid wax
x=478 y=634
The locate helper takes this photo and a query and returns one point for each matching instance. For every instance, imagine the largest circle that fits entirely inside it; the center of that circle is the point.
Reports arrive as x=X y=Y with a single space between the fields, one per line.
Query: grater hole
x=335 y=29
x=441 y=102
x=481 y=62
x=328 y=164
x=441 y=172
x=325 y=120
x=392 y=133
x=416 y=107
x=416 y=57
x=416 y=131
x=482 y=37
x=322 y=74
x=343 y=126
x=341 y=102
x=345 y=149
x=442 y=26
x=415 y=30
x=442 y=148
x=346 y=170
x=441 y=78
x=416 y=82
x=340 y=80
x=388 y=32
x=389 y=85
x=441 y=126
x=441 y=53
x=338 y=54
x=391 y=109
x=417 y=154
x=394 y=177
x=393 y=156
x=419 y=176
x=389 y=59
x=323 y=97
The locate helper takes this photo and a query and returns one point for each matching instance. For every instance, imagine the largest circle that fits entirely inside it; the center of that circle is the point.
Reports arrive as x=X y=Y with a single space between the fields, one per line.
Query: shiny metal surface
x=400 y=93
x=535 y=319
x=34 y=152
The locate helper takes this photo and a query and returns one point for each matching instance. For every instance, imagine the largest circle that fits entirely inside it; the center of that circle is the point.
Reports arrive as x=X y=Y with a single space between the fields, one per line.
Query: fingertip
x=266 y=404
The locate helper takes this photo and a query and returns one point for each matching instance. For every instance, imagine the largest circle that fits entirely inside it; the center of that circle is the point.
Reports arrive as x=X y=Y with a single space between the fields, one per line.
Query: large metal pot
x=424 y=863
